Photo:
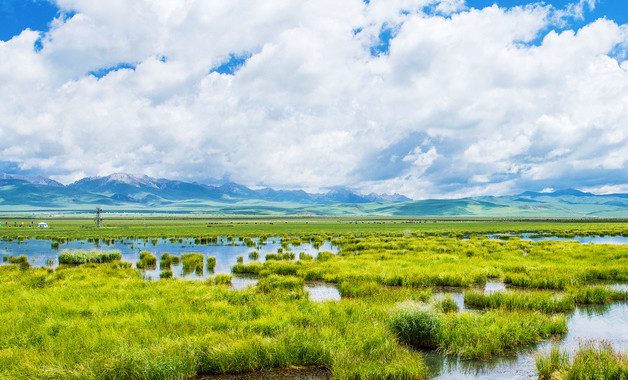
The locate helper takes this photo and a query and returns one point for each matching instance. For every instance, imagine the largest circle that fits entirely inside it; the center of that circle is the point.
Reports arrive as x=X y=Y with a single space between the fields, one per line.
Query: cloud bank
x=426 y=98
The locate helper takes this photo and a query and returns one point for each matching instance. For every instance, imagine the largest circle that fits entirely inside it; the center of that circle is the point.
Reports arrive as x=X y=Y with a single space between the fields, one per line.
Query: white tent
x=42 y=225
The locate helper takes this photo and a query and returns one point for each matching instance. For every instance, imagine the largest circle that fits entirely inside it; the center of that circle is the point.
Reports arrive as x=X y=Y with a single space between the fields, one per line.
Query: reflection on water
x=319 y=292
x=600 y=322
x=494 y=287
x=242 y=282
x=457 y=294
x=42 y=253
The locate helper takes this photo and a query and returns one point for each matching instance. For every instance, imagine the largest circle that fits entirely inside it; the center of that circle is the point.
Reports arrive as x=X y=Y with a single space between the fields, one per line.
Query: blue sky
x=384 y=96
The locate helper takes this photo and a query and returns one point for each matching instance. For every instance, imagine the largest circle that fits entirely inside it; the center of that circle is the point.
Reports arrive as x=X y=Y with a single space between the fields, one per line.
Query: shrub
x=254 y=255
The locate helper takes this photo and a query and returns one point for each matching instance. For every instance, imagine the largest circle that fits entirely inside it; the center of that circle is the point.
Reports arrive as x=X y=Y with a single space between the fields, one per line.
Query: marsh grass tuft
x=84 y=257
x=222 y=279
x=541 y=301
x=192 y=262
x=447 y=305
x=416 y=325
x=591 y=361
x=147 y=261
x=211 y=263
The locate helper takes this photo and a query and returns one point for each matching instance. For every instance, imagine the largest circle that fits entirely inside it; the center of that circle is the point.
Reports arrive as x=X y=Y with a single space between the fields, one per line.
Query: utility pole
x=98 y=218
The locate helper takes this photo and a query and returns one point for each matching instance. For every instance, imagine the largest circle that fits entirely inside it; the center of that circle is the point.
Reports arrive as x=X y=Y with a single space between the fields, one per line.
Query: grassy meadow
x=94 y=317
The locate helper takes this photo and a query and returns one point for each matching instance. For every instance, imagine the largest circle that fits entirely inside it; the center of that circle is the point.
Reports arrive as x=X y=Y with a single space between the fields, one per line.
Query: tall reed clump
x=591 y=361
x=541 y=301
x=84 y=257
x=192 y=262
x=147 y=260
x=416 y=325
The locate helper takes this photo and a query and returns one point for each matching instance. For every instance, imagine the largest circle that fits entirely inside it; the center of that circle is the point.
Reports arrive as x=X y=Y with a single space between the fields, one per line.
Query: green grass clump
x=305 y=256
x=484 y=335
x=355 y=288
x=591 y=361
x=598 y=295
x=147 y=260
x=192 y=262
x=18 y=260
x=447 y=305
x=165 y=261
x=165 y=273
x=416 y=325
x=280 y=256
x=325 y=256
x=274 y=282
x=548 y=280
x=250 y=268
x=211 y=263
x=254 y=255
x=222 y=279
x=84 y=257
x=541 y=301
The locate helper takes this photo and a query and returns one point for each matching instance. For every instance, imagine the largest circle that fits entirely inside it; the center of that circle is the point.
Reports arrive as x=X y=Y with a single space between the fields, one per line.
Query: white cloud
x=312 y=105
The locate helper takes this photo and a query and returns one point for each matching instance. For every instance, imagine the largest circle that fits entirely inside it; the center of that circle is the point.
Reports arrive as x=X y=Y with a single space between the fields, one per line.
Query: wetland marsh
x=353 y=298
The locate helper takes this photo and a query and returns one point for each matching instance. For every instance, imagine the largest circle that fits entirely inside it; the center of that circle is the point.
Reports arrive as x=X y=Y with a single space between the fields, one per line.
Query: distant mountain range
x=122 y=189
x=122 y=192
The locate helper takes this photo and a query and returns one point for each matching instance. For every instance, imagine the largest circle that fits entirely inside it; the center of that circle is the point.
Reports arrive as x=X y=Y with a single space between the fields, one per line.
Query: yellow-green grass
x=592 y=360
x=106 y=322
x=438 y=261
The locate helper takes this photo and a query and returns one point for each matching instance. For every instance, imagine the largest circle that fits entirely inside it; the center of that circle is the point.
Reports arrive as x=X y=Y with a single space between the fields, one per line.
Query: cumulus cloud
x=429 y=98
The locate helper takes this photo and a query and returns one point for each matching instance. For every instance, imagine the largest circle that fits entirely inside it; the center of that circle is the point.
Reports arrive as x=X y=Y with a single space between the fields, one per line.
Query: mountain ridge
x=132 y=193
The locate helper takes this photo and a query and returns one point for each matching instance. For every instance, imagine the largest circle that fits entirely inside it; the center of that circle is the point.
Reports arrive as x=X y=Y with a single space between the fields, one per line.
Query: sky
x=426 y=98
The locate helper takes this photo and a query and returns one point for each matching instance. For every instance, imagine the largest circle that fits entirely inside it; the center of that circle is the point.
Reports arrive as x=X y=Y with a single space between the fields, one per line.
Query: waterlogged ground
x=615 y=240
x=585 y=323
x=378 y=262
x=42 y=253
